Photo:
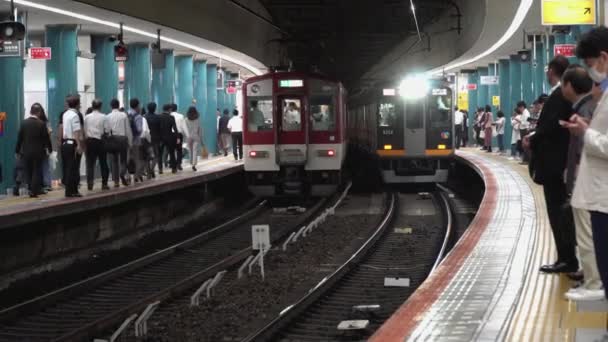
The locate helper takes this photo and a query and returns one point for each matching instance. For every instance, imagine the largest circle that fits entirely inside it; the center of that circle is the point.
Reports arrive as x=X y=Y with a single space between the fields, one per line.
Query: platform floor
x=206 y=169
x=489 y=287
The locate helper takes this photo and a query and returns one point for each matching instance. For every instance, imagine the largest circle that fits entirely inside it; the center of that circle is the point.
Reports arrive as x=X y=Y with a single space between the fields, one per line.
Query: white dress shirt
x=525 y=115
x=591 y=189
x=94 y=124
x=458 y=117
x=71 y=124
x=180 y=122
x=117 y=123
x=235 y=125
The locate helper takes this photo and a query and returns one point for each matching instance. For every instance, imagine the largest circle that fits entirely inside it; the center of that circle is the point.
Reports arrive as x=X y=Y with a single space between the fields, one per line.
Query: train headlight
x=414 y=87
x=441 y=147
x=388 y=147
x=258 y=154
x=326 y=153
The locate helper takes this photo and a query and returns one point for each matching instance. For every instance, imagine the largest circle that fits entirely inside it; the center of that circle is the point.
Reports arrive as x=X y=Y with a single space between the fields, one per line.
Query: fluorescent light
x=520 y=15
x=414 y=87
x=56 y=10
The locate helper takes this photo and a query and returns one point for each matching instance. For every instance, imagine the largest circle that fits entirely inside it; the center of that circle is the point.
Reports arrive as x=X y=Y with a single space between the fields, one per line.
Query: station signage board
x=10 y=49
x=496 y=101
x=488 y=80
x=231 y=90
x=43 y=53
x=566 y=50
x=463 y=100
x=569 y=12
x=472 y=86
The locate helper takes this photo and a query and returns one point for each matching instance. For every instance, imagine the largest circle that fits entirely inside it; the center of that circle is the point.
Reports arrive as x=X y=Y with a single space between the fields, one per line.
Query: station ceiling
x=344 y=38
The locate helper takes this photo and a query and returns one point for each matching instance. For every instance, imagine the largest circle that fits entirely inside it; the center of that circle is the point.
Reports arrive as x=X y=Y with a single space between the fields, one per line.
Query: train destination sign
x=291 y=83
x=568 y=12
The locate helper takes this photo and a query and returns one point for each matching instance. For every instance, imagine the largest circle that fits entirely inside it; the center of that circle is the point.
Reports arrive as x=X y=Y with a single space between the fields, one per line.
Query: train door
x=292 y=141
x=415 y=132
x=440 y=139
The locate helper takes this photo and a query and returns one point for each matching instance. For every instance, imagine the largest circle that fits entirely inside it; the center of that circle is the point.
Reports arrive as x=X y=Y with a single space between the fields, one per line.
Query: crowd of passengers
x=563 y=138
x=130 y=145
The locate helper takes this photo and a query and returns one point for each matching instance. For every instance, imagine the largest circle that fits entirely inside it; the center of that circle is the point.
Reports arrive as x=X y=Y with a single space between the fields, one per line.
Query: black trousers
x=179 y=150
x=119 y=162
x=169 y=147
x=237 y=145
x=33 y=173
x=599 y=227
x=95 y=151
x=561 y=220
x=458 y=131
x=71 y=168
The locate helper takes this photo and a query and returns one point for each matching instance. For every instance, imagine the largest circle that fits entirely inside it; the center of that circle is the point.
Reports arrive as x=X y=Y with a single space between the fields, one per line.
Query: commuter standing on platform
x=33 y=145
x=117 y=144
x=46 y=161
x=458 y=127
x=487 y=122
x=577 y=86
x=225 y=136
x=478 y=127
x=465 y=127
x=235 y=125
x=168 y=136
x=500 y=131
x=549 y=147
x=153 y=121
x=515 y=135
x=591 y=188
x=95 y=124
x=72 y=147
x=135 y=152
x=524 y=127
x=195 y=135
x=182 y=133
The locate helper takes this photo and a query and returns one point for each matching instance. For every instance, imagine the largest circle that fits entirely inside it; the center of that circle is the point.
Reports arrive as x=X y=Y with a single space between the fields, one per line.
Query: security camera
x=524 y=55
x=12 y=31
x=112 y=38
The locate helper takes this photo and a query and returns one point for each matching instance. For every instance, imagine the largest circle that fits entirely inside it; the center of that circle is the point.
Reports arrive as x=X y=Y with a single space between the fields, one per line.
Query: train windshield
x=292 y=115
x=387 y=115
x=322 y=105
x=440 y=104
x=260 y=114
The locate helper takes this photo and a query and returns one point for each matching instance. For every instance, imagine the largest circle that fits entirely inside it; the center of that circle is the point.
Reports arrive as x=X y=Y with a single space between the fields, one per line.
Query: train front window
x=322 y=113
x=440 y=104
x=292 y=115
x=260 y=114
x=387 y=115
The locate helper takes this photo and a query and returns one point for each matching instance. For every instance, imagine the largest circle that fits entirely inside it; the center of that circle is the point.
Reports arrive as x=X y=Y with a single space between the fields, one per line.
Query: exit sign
x=471 y=86
x=566 y=50
x=40 y=53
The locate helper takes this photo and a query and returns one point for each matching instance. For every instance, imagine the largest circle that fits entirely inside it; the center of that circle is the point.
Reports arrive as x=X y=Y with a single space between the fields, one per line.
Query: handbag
x=494 y=132
x=482 y=134
x=204 y=152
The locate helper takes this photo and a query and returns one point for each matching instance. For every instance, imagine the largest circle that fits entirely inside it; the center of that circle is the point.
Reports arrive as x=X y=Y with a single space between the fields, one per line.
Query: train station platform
x=489 y=288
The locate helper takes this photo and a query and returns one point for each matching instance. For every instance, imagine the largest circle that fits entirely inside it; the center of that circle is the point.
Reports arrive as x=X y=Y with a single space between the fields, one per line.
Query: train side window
x=260 y=114
x=292 y=115
x=322 y=113
x=387 y=115
x=414 y=114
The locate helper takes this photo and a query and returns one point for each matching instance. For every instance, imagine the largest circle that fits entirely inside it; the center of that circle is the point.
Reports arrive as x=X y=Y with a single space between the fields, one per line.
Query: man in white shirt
x=524 y=126
x=95 y=124
x=458 y=127
x=235 y=125
x=117 y=144
x=72 y=146
x=182 y=133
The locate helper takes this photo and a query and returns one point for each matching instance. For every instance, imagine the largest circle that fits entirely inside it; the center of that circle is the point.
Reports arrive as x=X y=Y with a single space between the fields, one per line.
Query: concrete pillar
x=106 y=70
x=207 y=119
x=538 y=70
x=61 y=70
x=482 y=92
x=212 y=105
x=11 y=114
x=505 y=98
x=184 y=86
x=138 y=74
x=163 y=81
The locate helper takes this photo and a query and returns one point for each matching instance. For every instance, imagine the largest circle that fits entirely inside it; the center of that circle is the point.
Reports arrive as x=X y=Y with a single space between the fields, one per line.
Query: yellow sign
x=569 y=12
x=463 y=100
x=496 y=101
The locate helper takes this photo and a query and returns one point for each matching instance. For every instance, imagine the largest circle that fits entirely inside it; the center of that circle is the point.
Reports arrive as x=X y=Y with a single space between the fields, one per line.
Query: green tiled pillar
x=221 y=98
x=163 y=81
x=184 y=87
x=200 y=94
x=61 y=70
x=515 y=80
x=138 y=74
x=505 y=98
x=482 y=90
x=473 y=103
x=11 y=103
x=106 y=70
x=527 y=86
x=210 y=121
x=538 y=71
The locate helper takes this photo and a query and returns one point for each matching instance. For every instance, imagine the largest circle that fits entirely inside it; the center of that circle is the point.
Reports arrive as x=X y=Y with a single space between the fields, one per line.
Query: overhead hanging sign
x=463 y=100
x=568 y=12
x=40 y=53
x=496 y=101
x=10 y=49
x=566 y=50
x=231 y=90
x=472 y=86
x=488 y=80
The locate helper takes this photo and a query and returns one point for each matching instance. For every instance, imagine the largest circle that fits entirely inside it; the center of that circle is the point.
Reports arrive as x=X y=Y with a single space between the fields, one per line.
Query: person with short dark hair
x=117 y=144
x=153 y=121
x=499 y=125
x=33 y=145
x=169 y=136
x=95 y=124
x=182 y=133
x=235 y=125
x=549 y=146
x=135 y=152
x=458 y=127
x=73 y=146
x=225 y=136
x=195 y=135
x=487 y=122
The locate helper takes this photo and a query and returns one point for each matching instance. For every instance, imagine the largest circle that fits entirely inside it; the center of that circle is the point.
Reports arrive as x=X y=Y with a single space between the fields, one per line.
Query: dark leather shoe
x=75 y=195
x=105 y=187
x=90 y=187
x=559 y=267
x=576 y=276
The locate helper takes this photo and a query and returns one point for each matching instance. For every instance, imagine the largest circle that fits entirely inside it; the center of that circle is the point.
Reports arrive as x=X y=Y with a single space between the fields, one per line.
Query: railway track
x=357 y=298
x=83 y=311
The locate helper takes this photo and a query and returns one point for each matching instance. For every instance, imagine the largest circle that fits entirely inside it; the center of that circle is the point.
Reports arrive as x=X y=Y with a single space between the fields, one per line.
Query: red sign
x=472 y=86
x=2 y=119
x=566 y=50
x=40 y=53
x=231 y=90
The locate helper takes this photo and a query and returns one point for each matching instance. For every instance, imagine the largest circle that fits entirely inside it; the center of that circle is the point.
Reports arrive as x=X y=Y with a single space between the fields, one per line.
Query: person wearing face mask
x=549 y=147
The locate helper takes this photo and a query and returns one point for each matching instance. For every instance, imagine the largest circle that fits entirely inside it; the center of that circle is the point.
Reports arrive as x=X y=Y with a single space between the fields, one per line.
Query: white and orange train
x=294 y=134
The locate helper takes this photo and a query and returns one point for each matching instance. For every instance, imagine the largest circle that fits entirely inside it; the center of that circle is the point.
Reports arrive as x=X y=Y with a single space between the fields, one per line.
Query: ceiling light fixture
x=520 y=15
x=91 y=19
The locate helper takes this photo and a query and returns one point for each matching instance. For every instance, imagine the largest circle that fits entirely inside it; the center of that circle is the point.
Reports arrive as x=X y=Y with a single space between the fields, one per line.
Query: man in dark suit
x=168 y=137
x=153 y=121
x=549 y=146
x=33 y=144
